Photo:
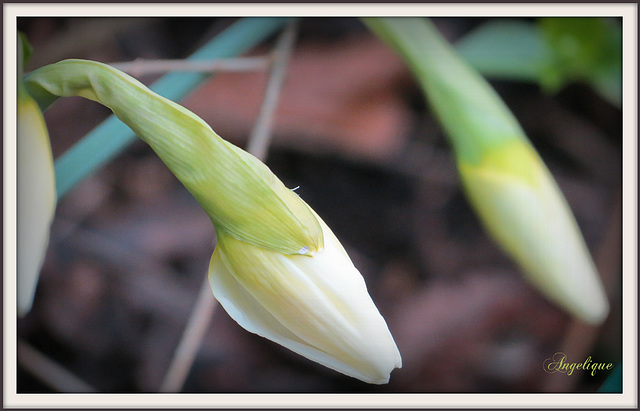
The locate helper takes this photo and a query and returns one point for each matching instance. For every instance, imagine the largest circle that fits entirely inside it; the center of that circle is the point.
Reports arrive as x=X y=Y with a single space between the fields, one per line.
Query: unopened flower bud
x=36 y=191
x=507 y=182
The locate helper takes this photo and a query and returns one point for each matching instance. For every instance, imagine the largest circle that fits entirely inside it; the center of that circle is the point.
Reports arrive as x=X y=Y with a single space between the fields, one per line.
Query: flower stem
x=260 y=136
x=112 y=136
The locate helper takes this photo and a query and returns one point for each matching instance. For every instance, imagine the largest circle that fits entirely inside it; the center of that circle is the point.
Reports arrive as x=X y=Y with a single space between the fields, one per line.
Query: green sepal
x=239 y=193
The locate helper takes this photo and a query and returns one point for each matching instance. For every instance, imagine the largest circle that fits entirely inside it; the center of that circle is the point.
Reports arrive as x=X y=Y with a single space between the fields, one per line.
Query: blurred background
x=130 y=247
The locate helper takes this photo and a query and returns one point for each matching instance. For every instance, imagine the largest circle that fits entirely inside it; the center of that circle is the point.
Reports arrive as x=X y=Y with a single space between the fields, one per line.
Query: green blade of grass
x=111 y=137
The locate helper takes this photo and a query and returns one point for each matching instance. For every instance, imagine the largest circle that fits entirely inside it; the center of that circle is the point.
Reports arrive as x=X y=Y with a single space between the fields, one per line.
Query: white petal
x=36 y=200
x=316 y=306
x=249 y=314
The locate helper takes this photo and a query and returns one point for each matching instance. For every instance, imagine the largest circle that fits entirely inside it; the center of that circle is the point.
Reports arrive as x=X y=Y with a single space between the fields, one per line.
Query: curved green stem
x=473 y=115
x=111 y=137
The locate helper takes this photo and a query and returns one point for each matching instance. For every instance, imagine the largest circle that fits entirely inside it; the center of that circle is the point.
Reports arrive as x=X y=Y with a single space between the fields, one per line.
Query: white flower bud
x=317 y=306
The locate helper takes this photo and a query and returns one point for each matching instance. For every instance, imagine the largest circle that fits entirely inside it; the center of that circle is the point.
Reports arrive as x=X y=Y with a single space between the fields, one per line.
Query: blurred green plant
x=505 y=179
x=551 y=51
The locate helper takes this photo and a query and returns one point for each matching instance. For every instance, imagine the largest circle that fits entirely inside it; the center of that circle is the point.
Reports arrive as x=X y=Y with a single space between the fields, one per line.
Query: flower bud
x=317 y=306
x=36 y=191
x=509 y=186
x=522 y=207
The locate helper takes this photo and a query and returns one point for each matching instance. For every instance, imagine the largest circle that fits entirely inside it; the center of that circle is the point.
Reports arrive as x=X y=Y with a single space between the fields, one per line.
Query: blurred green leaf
x=583 y=49
x=552 y=52
x=26 y=49
x=509 y=49
x=613 y=383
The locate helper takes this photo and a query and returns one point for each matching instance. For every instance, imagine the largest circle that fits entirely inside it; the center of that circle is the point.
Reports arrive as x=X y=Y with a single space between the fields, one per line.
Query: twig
x=191 y=340
x=50 y=372
x=205 y=305
x=141 y=67
x=261 y=134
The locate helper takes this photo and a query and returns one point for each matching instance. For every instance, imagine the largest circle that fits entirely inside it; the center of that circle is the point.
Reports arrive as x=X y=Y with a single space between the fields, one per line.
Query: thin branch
x=261 y=135
x=141 y=67
x=191 y=340
x=258 y=143
x=49 y=372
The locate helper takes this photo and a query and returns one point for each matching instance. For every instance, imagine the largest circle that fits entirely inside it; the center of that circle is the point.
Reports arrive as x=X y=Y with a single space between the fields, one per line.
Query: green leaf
x=24 y=53
x=585 y=49
x=613 y=383
x=24 y=50
x=552 y=52
x=505 y=49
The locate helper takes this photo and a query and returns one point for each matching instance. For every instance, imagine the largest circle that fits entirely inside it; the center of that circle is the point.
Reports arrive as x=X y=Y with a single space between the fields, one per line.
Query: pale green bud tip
x=316 y=306
x=522 y=207
x=36 y=198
